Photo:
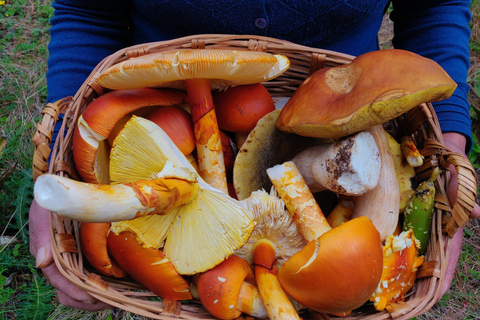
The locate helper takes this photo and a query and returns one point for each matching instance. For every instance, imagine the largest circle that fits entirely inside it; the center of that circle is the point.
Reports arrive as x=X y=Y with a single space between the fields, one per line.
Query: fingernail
x=41 y=256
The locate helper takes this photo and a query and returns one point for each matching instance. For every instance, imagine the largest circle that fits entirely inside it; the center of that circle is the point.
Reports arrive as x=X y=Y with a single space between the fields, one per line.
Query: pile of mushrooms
x=160 y=206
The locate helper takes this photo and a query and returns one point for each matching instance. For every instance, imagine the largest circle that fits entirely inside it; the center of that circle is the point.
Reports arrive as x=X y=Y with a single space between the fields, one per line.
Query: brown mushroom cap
x=224 y=68
x=376 y=87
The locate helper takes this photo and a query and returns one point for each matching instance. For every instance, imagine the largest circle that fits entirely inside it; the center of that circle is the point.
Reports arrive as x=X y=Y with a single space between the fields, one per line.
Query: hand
x=40 y=247
x=455 y=142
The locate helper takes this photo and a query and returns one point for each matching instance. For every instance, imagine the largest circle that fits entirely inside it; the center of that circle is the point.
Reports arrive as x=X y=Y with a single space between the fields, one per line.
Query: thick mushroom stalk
x=349 y=166
x=89 y=202
x=207 y=134
x=199 y=71
x=382 y=204
x=298 y=199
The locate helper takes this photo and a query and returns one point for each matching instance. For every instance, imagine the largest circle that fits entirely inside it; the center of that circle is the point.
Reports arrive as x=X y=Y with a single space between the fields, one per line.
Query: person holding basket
x=85 y=32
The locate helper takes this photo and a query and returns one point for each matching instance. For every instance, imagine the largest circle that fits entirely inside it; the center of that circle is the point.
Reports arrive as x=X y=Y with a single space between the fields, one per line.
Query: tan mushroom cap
x=167 y=69
x=265 y=147
x=376 y=87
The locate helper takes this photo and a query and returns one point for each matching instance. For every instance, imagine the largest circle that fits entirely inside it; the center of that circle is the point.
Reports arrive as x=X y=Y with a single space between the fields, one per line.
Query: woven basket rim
x=421 y=122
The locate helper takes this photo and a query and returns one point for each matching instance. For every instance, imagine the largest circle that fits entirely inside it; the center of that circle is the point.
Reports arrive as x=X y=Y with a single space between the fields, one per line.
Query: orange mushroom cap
x=99 y=118
x=239 y=108
x=219 y=287
x=93 y=239
x=339 y=271
x=148 y=266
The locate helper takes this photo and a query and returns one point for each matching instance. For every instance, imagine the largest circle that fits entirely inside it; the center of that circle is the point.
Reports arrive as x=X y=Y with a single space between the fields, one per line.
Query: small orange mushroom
x=226 y=290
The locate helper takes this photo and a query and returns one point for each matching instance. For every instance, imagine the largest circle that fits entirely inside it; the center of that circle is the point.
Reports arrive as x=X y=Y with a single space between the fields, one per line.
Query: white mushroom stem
x=250 y=301
x=89 y=202
x=382 y=204
x=301 y=204
x=349 y=166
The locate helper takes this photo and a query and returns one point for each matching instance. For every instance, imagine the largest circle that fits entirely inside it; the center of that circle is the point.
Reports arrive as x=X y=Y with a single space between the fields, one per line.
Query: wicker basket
x=129 y=295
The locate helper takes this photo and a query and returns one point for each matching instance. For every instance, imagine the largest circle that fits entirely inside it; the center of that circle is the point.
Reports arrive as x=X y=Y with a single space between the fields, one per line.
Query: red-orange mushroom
x=339 y=271
x=177 y=124
x=93 y=239
x=90 y=147
x=148 y=266
x=239 y=108
x=226 y=290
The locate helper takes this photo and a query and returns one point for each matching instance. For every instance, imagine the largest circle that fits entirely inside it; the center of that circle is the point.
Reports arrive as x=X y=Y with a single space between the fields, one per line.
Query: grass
x=24 y=292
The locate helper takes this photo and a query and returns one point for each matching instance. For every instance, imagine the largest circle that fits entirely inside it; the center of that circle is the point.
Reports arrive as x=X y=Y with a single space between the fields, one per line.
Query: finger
x=66 y=300
x=40 y=237
x=455 y=250
x=61 y=283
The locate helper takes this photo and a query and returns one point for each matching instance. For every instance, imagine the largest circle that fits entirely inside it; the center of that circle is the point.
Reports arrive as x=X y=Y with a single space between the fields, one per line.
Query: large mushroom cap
x=376 y=87
x=224 y=68
x=197 y=235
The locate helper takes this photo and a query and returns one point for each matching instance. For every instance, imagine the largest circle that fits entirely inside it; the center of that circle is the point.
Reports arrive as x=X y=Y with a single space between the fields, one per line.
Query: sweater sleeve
x=439 y=30
x=82 y=34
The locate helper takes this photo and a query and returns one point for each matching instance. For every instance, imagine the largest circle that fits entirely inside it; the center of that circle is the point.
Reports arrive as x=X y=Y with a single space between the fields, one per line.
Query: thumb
x=40 y=237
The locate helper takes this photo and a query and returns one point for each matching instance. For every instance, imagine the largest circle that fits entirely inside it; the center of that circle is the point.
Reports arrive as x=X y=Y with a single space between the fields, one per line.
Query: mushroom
x=226 y=290
x=375 y=87
x=199 y=71
x=339 y=271
x=265 y=147
x=382 y=204
x=341 y=213
x=98 y=120
x=410 y=151
x=400 y=264
x=239 y=108
x=349 y=166
x=339 y=268
x=274 y=239
x=93 y=240
x=148 y=266
x=210 y=223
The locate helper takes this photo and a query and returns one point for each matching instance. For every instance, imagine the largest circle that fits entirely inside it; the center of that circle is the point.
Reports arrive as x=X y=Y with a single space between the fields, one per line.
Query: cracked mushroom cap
x=224 y=68
x=198 y=235
x=375 y=87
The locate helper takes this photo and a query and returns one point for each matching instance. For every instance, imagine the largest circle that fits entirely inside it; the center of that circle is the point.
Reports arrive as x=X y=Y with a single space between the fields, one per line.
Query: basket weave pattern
x=421 y=122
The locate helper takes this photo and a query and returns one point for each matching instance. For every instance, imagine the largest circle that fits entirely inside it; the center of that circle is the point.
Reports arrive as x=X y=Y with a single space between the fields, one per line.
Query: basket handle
x=44 y=133
x=466 y=189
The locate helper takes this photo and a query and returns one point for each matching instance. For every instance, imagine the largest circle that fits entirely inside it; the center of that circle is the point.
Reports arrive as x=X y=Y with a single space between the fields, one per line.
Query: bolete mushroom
x=382 y=203
x=98 y=120
x=265 y=147
x=348 y=166
x=375 y=87
x=198 y=71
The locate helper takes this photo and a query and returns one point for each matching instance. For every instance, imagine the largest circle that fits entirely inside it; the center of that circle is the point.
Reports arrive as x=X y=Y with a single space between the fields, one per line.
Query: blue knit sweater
x=83 y=32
